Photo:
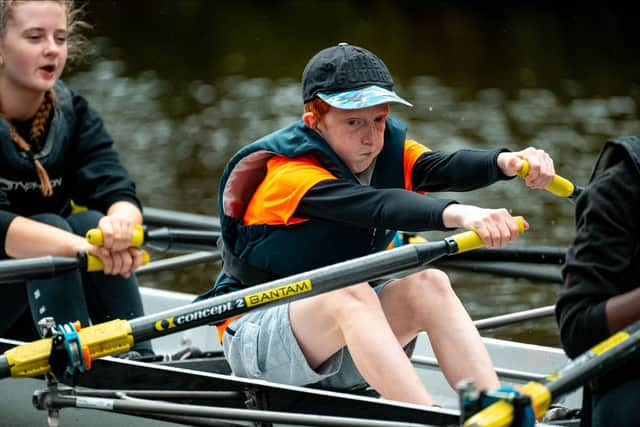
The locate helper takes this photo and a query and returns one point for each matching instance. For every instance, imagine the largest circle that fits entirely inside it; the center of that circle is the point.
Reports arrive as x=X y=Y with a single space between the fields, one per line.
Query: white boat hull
x=511 y=358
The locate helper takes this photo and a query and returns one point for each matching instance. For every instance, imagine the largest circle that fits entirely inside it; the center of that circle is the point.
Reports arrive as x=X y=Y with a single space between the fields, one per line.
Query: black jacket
x=604 y=260
x=79 y=157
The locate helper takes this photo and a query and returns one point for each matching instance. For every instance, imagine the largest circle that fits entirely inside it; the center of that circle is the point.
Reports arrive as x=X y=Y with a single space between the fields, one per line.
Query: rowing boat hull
x=516 y=362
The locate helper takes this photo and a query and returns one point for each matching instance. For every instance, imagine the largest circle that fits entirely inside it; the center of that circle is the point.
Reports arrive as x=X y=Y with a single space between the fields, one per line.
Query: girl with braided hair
x=54 y=148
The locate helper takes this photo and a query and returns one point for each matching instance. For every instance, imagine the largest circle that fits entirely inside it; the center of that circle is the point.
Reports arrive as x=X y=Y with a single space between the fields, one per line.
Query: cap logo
x=362 y=69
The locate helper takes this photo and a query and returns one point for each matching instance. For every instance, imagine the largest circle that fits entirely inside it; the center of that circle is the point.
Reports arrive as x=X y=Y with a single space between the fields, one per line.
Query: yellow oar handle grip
x=104 y=339
x=95 y=237
x=470 y=240
x=559 y=186
x=95 y=264
x=501 y=413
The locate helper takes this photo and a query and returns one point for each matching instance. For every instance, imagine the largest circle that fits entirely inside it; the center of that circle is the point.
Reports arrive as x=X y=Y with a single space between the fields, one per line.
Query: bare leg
x=354 y=317
x=425 y=301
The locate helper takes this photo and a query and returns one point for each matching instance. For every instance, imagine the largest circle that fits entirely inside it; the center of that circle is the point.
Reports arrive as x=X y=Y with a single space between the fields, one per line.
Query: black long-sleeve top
x=79 y=157
x=348 y=202
x=604 y=260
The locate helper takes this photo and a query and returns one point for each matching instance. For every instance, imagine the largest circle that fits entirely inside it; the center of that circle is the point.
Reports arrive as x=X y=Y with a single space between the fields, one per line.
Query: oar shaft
x=168 y=218
x=33 y=358
x=116 y=336
x=165 y=239
x=534 y=273
x=595 y=362
x=529 y=254
x=5 y=368
x=17 y=270
x=288 y=289
x=511 y=318
x=599 y=359
x=303 y=285
x=178 y=262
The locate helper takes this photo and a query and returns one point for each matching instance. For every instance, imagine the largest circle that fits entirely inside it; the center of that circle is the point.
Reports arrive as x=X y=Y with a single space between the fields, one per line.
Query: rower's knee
x=429 y=289
x=354 y=300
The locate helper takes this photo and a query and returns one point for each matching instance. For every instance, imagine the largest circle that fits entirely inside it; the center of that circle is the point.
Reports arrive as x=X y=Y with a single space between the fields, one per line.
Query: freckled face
x=34 y=47
x=357 y=136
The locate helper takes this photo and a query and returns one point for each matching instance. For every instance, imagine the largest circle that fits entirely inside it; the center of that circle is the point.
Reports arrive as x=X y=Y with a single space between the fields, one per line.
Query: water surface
x=183 y=84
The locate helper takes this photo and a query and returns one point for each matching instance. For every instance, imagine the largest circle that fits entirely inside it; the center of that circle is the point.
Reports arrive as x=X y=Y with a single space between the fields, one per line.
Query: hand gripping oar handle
x=559 y=186
x=95 y=264
x=95 y=237
x=19 y=270
x=470 y=240
x=165 y=239
x=117 y=336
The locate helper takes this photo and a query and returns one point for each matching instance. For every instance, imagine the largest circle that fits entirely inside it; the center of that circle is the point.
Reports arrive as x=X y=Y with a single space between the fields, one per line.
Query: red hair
x=318 y=107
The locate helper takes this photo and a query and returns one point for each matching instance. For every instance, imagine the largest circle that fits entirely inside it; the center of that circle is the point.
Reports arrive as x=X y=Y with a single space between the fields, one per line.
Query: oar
x=595 y=362
x=529 y=254
x=560 y=186
x=517 y=317
x=19 y=270
x=168 y=218
x=165 y=239
x=16 y=270
x=504 y=269
x=185 y=260
x=117 y=336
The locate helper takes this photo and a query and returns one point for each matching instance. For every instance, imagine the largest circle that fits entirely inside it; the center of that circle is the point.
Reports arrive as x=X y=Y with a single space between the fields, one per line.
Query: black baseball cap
x=348 y=77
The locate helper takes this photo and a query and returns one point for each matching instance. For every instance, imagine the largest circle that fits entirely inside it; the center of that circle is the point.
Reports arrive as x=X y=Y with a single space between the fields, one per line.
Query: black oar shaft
x=17 y=270
x=5 y=368
x=577 y=191
x=166 y=239
x=118 y=335
x=179 y=261
x=289 y=289
x=168 y=218
x=597 y=361
x=546 y=275
x=529 y=254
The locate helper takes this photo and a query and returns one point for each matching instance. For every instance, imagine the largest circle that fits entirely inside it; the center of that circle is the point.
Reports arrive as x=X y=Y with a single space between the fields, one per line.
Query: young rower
x=329 y=188
x=54 y=149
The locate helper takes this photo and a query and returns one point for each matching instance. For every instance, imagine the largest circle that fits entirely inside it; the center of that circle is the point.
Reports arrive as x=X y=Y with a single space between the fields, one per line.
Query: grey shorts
x=261 y=345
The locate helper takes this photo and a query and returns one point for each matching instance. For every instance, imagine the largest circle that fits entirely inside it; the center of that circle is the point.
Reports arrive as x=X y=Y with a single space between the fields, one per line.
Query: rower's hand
x=122 y=262
x=116 y=232
x=541 y=169
x=496 y=227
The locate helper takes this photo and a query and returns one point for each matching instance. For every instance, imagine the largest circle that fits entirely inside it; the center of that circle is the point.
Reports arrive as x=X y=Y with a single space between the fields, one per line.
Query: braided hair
x=38 y=128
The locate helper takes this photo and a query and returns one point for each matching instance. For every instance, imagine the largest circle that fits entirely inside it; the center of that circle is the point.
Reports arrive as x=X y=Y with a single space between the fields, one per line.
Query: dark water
x=183 y=84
